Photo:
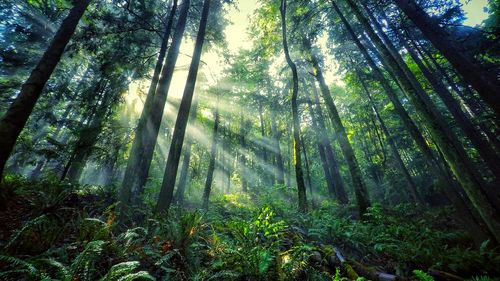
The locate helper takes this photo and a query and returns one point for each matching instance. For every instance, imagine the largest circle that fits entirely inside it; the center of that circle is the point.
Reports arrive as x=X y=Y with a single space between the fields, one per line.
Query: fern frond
x=141 y=275
x=62 y=271
x=120 y=270
x=87 y=257
x=18 y=266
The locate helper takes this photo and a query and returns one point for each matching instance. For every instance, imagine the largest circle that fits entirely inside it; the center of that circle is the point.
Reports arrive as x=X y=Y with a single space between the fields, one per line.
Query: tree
x=167 y=187
x=20 y=110
x=146 y=136
x=295 y=115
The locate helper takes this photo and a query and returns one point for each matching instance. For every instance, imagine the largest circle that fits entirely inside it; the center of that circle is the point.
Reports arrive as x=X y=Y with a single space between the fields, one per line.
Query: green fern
x=141 y=275
x=18 y=266
x=120 y=270
x=83 y=263
x=422 y=276
x=62 y=271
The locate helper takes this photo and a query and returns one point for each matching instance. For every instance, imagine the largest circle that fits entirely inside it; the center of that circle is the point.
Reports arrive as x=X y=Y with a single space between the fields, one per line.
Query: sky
x=474 y=11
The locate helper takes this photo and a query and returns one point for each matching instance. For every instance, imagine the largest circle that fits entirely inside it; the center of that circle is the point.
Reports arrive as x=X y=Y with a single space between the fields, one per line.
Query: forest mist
x=249 y=140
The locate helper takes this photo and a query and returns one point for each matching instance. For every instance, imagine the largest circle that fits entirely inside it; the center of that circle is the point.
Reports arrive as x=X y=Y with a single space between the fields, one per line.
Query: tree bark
x=331 y=160
x=211 y=165
x=392 y=143
x=181 y=187
x=167 y=187
x=360 y=190
x=14 y=120
x=147 y=131
x=295 y=115
x=280 y=169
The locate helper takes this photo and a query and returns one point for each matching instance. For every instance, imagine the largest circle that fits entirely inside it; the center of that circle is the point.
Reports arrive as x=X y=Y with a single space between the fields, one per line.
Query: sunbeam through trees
x=249 y=140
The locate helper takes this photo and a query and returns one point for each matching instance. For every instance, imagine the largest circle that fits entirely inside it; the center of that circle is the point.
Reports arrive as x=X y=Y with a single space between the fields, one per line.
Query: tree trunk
x=148 y=128
x=211 y=165
x=308 y=172
x=243 y=160
x=489 y=156
x=167 y=187
x=181 y=187
x=484 y=82
x=14 y=120
x=87 y=138
x=358 y=184
x=295 y=116
x=280 y=169
x=330 y=158
x=392 y=143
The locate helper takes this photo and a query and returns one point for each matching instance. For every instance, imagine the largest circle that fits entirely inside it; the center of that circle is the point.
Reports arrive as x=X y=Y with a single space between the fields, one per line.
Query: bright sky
x=474 y=11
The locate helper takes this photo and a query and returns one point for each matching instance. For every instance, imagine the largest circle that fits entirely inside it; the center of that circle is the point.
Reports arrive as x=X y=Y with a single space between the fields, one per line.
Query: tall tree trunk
x=211 y=165
x=484 y=82
x=14 y=120
x=454 y=154
x=167 y=187
x=295 y=115
x=243 y=158
x=181 y=187
x=87 y=138
x=331 y=160
x=280 y=169
x=148 y=128
x=308 y=172
x=473 y=105
x=392 y=143
x=360 y=190
x=463 y=212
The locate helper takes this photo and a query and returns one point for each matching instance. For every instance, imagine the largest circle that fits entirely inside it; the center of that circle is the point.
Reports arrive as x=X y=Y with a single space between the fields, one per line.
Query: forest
x=250 y=140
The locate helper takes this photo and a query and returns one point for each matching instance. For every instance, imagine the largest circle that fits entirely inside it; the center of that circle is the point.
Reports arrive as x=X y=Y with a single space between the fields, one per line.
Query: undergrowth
x=58 y=231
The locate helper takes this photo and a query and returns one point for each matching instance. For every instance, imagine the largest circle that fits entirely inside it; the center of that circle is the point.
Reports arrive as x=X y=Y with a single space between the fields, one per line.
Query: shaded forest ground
x=58 y=231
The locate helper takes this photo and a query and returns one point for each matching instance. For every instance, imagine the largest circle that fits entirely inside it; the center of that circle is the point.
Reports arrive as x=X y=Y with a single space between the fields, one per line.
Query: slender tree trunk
x=14 y=120
x=86 y=141
x=449 y=145
x=148 y=128
x=211 y=165
x=280 y=169
x=181 y=187
x=484 y=82
x=484 y=149
x=243 y=159
x=392 y=143
x=358 y=184
x=321 y=150
x=295 y=116
x=167 y=187
x=308 y=172
x=331 y=160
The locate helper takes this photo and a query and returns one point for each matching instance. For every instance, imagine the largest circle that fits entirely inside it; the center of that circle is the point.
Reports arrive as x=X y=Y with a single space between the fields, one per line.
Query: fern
x=18 y=266
x=120 y=270
x=62 y=271
x=422 y=276
x=84 y=261
x=141 y=275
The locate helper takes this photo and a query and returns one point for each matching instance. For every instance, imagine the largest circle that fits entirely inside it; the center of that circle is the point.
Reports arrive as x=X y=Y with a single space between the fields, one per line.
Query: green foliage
x=238 y=238
x=422 y=276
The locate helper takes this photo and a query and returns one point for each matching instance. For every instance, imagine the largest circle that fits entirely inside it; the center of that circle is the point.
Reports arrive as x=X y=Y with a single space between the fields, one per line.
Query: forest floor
x=58 y=231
